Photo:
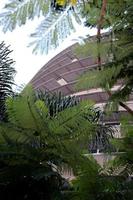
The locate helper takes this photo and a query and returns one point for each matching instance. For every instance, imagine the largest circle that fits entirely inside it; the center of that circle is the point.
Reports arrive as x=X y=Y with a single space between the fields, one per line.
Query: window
x=74 y=60
x=62 y=82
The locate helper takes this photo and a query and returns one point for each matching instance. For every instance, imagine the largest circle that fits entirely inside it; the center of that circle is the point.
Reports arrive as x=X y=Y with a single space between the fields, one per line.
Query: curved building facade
x=61 y=74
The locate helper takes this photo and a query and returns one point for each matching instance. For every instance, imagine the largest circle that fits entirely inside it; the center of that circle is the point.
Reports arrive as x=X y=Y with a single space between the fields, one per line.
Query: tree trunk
x=101 y=19
x=99 y=26
x=129 y=110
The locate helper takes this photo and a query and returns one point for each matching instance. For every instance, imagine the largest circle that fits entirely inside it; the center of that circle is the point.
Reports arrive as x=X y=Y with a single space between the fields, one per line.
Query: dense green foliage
x=34 y=146
x=100 y=139
x=115 y=49
x=114 y=66
x=6 y=77
x=44 y=134
x=124 y=162
x=114 y=180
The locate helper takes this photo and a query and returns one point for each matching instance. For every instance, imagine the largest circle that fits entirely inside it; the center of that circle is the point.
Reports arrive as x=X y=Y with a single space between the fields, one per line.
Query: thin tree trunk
x=101 y=19
x=129 y=110
x=99 y=26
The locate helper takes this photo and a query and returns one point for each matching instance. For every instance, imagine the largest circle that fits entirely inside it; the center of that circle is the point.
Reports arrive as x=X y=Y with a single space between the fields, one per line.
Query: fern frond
x=55 y=27
x=90 y=48
x=17 y=13
x=52 y=31
x=96 y=78
x=67 y=123
x=23 y=111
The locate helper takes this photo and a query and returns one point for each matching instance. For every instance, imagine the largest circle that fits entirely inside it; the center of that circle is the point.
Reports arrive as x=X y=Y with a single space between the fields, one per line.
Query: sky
x=26 y=63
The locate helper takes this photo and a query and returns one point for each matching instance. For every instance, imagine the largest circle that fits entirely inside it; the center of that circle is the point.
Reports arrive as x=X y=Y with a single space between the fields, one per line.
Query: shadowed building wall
x=61 y=74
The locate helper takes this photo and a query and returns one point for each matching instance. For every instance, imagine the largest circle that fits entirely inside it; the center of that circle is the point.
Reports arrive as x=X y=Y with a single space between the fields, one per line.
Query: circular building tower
x=61 y=73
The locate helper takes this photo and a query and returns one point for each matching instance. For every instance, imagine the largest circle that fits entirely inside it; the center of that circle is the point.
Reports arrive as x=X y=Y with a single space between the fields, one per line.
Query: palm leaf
x=7 y=73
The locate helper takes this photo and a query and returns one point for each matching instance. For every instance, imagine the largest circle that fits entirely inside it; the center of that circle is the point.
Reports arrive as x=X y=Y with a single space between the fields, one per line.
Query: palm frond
x=56 y=102
x=7 y=73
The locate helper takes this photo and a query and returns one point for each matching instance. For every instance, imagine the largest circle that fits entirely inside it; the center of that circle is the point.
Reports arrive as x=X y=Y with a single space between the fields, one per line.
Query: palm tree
x=6 y=76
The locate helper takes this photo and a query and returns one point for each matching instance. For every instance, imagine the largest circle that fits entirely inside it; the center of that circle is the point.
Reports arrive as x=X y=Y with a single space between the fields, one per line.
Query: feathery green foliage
x=52 y=31
x=114 y=180
x=99 y=140
x=89 y=48
x=55 y=26
x=34 y=145
x=18 y=12
x=96 y=78
x=123 y=163
x=6 y=76
x=116 y=54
